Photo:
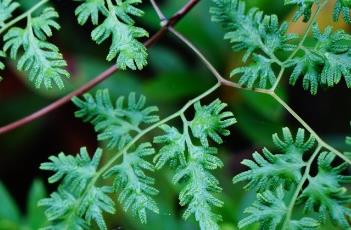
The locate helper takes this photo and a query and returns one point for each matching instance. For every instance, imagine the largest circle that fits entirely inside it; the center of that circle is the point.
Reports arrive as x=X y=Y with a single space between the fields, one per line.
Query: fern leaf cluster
x=136 y=189
x=7 y=7
x=115 y=123
x=326 y=63
x=193 y=162
x=40 y=58
x=119 y=25
x=341 y=7
x=257 y=34
x=76 y=202
x=273 y=175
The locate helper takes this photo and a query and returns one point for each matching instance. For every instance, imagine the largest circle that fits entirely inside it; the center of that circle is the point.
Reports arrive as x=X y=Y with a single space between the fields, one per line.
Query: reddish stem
x=106 y=74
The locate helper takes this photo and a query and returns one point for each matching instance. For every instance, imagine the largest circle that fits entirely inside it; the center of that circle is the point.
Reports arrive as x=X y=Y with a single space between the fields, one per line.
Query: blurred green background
x=173 y=76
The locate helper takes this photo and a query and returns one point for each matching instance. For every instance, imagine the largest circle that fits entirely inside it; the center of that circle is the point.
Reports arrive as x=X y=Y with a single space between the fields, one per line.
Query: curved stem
x=103 y=76
x=223 y=81
x=22 y=16
x=299 y=187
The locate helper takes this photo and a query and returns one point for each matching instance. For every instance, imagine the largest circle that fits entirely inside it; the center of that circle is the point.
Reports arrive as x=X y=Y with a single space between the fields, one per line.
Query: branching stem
x=299 y=187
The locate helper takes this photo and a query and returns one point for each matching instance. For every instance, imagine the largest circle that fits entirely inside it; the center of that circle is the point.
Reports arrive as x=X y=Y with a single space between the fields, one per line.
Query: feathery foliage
x=326 y=63
x=341 y=7
x=257 y=34
x=41 y=59
x=324 y=196
x=119 y=25
x=7 y=7
x=135 y=187
x=193 y=163
x=270 y=209
x=76 y=202
x=115 y=123
x=271 y=170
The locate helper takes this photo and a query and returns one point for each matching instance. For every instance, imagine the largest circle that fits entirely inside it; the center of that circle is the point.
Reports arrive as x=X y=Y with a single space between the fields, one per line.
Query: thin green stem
x=280 y=75
x=308 y=29
x=22 y=16
x=270 y=92
x=309 y=129
x=299 y=187
x=179 y=113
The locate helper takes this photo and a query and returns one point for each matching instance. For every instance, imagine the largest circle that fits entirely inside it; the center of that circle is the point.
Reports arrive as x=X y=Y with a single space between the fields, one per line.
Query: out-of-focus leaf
x=35 y=215
x=255 y=127
x=265 y=105
x=163 y=59
x=175 y=86
x=8 y=209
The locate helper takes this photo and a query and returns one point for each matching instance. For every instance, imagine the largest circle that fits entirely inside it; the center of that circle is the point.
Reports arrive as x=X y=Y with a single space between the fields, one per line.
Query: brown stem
x=106 y=74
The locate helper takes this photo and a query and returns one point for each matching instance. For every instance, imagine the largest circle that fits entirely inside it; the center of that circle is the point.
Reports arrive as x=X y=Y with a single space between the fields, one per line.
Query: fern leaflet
x=326 y=63
x=195 y=162
x=119 y=25
x=115 y=124
x=40 y=59
x=324 y=196
x=7 y=7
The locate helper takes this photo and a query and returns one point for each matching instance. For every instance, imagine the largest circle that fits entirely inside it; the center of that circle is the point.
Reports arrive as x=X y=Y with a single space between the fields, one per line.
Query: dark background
x=173 y=76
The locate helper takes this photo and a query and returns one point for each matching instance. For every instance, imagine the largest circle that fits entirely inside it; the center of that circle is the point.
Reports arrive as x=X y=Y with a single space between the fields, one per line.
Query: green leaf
x=304 y=8
x=325 y=194
x=211 y=122
x=115 y=124
x=342 y=7
x=200 y=186
x=119 y=25
x=261 y=70
x=90 y=8
x=269 y=170
x=326 y=63
x=7 y=7
x=75 y=172
x=41 y=59
x=35 y=215
x=8 y=208
x=135 y=188
x=252 y=30
x=173 y=149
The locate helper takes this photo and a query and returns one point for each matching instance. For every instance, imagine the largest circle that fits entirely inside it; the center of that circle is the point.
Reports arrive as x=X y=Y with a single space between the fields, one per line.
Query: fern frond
x=92 y=9
x=40 y=59
x=269 y=210
x=61 y=210
x=135 y=187
x=76 y=203
x=7 y=7
x=95 y=203
x=194 y=163
x=252 y=30
x=269 y=170
x=325 y=194
x=115 y=124
x=200 y=186
x=326 y=63
x=45 y=22
x=173 y=149
x=261 y=70
x=76 y=172
x=119 y=25
x=342 y=7
x=304 y=8
x=211 y=122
